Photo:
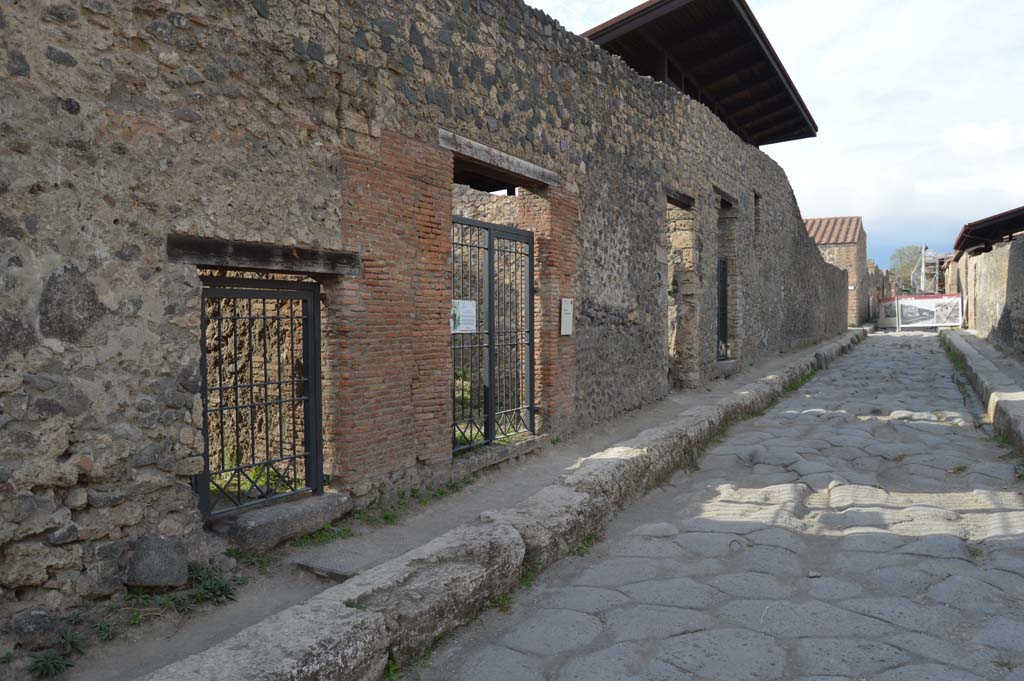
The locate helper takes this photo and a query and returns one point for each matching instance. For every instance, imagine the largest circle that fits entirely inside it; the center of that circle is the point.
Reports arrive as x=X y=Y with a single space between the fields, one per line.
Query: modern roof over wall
x=844 y=230
x=981 y=234
x=716 y=52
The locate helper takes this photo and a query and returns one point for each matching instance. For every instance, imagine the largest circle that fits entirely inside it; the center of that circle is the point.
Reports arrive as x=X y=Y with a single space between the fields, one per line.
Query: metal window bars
x=260 y=367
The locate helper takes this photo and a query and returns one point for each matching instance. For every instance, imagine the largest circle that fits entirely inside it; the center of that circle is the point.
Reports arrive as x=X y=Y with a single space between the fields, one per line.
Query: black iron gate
x=723 y=308
x=492 y=279
x=260 y=369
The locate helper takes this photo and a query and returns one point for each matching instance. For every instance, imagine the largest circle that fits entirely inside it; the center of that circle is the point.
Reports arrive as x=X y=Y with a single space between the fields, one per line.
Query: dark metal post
x=201 y=482
x=311 y=362
x=491 y=353
x=532 y=410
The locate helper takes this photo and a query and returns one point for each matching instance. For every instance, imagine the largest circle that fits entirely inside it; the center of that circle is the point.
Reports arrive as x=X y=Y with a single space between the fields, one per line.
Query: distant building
x=844 y=243
x=988 y=269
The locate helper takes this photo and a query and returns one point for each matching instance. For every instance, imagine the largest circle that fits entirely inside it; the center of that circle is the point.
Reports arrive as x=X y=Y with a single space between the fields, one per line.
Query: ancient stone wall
x=494 y=208
x=852 y=258
x=993 y=288
x=316 y=124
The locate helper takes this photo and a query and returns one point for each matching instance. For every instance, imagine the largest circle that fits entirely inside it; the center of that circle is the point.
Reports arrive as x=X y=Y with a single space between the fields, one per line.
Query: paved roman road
x=860 y=529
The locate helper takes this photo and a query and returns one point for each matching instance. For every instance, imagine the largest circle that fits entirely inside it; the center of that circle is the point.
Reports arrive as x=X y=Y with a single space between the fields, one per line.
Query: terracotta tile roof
x=845 y=230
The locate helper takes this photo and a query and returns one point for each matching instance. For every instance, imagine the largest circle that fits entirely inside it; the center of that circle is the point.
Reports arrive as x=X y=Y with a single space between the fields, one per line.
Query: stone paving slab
x=729 y=573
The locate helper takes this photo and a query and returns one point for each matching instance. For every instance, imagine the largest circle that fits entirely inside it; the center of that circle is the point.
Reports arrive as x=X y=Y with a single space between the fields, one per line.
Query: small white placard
x=566 y=316
x=851 y=287
x=463 y=319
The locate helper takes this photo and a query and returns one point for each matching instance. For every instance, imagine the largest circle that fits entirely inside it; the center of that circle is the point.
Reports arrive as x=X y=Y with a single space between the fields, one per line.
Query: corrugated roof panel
x=838 y=230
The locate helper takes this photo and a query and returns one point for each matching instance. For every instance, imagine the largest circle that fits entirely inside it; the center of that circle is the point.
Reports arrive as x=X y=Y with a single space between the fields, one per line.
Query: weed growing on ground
x=393 y=672
x=959 y=470
x=584 y=546
x=105 y=631
x=502 y=603
x=209 y=585
x=74 y=619
x=800 y=382
x=354 y=604
x=70 y=642
x=527 y=576
x=260 y=561
x=7 y=657
x=48 y=665
x=324 y=535
x=975 y=552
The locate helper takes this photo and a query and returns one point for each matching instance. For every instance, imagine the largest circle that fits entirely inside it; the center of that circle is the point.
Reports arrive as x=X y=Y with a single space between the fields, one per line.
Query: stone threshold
x=1002 y=397
x=394 y=611
x=489 y=456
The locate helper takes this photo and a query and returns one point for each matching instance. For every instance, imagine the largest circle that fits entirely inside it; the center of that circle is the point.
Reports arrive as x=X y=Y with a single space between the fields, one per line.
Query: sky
x=919 y=105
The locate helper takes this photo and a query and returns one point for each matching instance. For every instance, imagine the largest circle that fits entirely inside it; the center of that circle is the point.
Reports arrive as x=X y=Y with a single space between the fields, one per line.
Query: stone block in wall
x=157 y=561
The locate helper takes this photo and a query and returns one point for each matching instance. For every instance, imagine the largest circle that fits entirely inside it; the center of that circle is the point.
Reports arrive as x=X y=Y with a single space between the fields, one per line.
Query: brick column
x=552 y=215
x=387 y=369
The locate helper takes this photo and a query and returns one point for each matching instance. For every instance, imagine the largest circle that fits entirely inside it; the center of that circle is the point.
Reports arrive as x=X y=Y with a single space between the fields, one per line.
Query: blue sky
x=919 y=104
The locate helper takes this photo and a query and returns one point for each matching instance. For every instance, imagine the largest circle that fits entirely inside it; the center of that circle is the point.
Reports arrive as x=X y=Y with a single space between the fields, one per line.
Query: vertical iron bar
x=311 y=368
x=532 y=409
x=203 y=479
x=266 y=390
x=252 y=388
x=489 y=294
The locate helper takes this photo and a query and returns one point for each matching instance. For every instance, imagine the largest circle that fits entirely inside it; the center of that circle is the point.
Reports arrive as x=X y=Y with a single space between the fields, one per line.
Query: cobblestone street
x=862 y=528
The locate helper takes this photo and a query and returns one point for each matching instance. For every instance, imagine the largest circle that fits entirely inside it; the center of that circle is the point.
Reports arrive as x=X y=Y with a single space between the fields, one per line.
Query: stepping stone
x=551 y=632
x=970 y=594
x=620 y=662
x=727 y=655
x=753 y=585
x=1002 y=632
x=494 y=662
x=655 y=622
x=831 y=656
x=584 y=599
x=681 y=592
x=786 y=619
x=905 y=614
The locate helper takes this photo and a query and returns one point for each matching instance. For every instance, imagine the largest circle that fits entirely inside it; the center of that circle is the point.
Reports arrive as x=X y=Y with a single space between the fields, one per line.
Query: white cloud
x=920 y=105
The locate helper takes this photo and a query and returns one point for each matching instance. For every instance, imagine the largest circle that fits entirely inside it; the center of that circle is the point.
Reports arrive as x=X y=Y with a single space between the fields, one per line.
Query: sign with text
x=566 y=316
x=463 y=319
x=921 y=311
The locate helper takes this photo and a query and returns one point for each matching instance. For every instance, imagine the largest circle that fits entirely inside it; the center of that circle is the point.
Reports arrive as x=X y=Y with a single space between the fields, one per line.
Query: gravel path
x=860 y=529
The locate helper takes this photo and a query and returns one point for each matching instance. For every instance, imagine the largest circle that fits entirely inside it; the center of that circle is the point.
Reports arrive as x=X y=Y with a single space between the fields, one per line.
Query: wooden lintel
x=727 y=200
x=679 y=199
x=247 y=255
x=529 y=174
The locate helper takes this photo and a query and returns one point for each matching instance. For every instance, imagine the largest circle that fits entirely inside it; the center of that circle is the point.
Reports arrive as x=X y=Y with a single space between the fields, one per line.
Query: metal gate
x=492 y=385
x=723 y=308
x=260 y=369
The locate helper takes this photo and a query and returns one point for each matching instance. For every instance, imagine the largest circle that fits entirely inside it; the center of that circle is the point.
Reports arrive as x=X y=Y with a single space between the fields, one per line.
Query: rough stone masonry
x=316 y=125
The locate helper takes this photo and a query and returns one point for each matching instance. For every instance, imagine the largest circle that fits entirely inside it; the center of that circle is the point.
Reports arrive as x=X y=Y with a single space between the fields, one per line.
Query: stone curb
x=401 y=607
x=1003 y=399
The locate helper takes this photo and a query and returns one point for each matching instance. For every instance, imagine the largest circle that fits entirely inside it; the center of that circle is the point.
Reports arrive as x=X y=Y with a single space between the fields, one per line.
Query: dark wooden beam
x=768 y=103
x=508 y=169
x=632 y=20
x=780 y=133
x=679 y=199
x=724 y=96
x=717 y=57
x=772 y=116
x=248 y=255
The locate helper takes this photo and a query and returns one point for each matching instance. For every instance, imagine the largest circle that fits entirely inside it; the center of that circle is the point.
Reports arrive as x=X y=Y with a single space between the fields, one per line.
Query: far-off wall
x=852 y=258
x=993 y=288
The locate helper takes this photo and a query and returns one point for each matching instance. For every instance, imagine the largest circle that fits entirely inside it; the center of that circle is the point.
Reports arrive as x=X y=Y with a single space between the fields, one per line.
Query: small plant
x=113 y=609
x=48 y=665
x=527 y=576
x=260 y=561
x=354 y=604
x=140 y=600
x=975 y=552
x=584 y=546
x=210 y=585
x=365 y=516
x=798 y=383
x=959 y=470
x=70 y=642
x=7 y=657
x=389 y=516
x=239 y=580
x=393 y=672
x=136 y=618
x=502 y=603
x=324 y=535
x=74 y=619
x=104 y=630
